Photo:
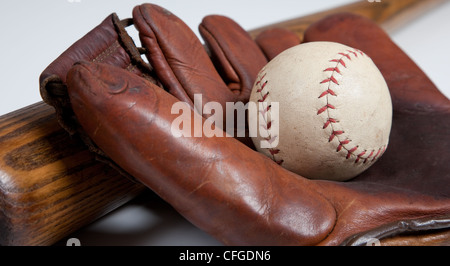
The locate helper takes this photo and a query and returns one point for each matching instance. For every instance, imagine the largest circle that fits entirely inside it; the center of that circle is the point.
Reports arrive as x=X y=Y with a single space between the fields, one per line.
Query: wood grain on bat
x=389 y=14
x=50 y=184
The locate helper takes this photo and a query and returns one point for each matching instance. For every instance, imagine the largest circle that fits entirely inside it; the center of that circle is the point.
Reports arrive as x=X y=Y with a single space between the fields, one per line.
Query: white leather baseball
x=335 y=110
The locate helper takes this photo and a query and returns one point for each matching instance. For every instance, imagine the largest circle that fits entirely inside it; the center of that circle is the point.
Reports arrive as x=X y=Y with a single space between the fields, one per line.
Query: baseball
x=334 y=111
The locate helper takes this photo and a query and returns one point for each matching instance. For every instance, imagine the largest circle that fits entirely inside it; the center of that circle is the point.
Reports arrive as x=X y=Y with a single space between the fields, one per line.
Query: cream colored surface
x=335 y=110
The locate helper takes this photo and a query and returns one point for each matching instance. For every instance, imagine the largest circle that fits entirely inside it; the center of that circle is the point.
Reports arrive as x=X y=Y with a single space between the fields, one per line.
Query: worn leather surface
x=107 y=43
x=274 y=41
x=237 y=194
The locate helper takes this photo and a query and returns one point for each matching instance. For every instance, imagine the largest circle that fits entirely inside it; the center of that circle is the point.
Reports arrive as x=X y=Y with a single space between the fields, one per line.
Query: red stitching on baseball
x=259 y=81
x=267 y=126
x=339 y=61
x=329 y=121
x=262 y=87
x=271 y=139
x=359 y=156
x=263 y=97
x=330 y=79
x=333 y=69
x=329 y=91
x=264 y=111
x=351 y=151
x=362 y=156
x=379 y=153
x=323 y=109
x=335 y=133
x=353 y=52
x=280 y=162
x=342 y=143
x=379 y=150
x=346 y=55
x=274 y=151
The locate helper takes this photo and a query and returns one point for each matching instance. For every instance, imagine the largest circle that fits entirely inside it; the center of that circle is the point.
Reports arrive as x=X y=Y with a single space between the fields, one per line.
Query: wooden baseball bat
x=51 y=185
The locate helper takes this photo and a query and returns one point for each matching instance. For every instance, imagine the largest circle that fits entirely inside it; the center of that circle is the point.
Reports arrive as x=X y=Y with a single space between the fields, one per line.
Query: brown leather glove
x=237 y=194
x=236 y=58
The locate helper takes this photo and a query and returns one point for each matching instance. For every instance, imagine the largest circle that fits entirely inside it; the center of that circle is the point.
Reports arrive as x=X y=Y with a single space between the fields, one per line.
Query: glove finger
x=236 y=56
x=274 y=41
x=179 y=59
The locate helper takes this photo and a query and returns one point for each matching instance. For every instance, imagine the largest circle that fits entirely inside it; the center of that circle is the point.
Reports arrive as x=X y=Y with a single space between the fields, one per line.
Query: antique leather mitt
x=122 y=107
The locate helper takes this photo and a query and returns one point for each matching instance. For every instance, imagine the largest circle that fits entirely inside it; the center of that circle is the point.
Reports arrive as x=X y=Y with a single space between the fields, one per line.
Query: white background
x=34 y=33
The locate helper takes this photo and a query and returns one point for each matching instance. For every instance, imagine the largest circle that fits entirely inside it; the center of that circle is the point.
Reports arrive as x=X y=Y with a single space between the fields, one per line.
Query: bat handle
x=389 y=14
